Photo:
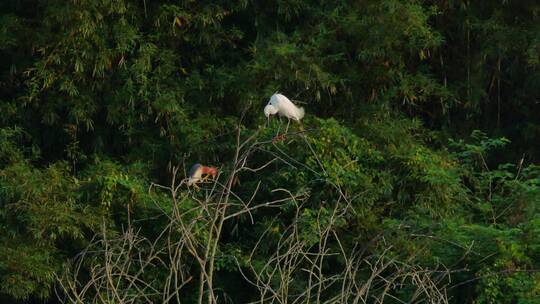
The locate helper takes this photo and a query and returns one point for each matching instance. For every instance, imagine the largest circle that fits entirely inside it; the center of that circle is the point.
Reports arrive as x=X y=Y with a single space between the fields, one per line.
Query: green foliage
x=39 y=210
x=99 y=99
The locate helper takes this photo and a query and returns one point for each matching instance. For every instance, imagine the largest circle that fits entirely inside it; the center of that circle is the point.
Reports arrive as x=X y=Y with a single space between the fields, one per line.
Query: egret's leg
x=279 y=126
x=288 y=122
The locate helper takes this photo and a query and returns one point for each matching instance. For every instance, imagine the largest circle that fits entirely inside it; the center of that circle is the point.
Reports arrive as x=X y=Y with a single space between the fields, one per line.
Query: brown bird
x=199 y=172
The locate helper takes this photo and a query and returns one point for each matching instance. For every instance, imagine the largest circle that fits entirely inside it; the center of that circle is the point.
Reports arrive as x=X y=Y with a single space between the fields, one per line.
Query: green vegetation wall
x=425 y=113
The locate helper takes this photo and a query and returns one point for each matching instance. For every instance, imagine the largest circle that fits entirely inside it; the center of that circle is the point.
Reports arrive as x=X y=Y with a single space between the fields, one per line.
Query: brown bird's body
x=199 y=172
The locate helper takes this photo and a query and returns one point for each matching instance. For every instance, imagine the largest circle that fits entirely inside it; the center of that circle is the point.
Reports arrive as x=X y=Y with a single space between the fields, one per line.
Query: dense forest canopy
x=413 y=177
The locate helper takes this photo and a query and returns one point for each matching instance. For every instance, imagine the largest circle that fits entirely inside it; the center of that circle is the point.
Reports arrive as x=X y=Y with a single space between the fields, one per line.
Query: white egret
x=279 y=104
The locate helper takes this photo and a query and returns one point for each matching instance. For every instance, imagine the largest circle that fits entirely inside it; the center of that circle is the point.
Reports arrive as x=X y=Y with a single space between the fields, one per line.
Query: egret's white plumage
x=283 y=106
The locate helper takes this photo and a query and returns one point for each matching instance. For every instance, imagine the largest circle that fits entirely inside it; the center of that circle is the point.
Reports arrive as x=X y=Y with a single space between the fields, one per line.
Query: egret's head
x=270 y=110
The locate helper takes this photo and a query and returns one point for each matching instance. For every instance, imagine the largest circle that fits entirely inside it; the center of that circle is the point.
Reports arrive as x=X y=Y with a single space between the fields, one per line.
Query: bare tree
x=130 y=268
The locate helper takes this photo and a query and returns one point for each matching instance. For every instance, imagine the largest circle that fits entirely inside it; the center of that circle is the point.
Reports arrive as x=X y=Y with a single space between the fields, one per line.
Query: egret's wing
x=287 y=108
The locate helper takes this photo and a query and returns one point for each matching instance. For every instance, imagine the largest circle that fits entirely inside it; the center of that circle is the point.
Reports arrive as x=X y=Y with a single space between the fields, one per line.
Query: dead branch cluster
x=130 y=268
